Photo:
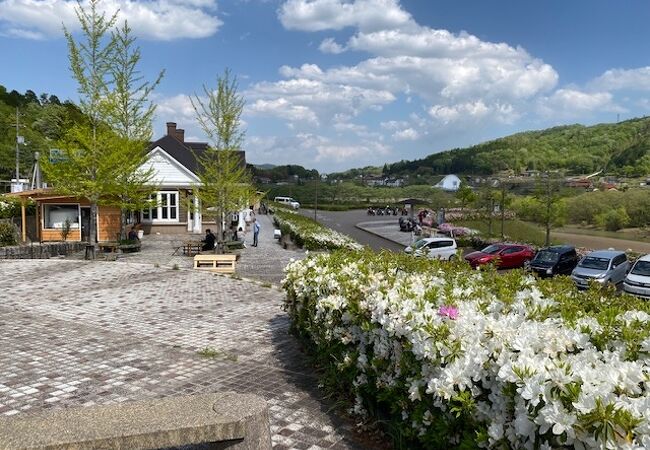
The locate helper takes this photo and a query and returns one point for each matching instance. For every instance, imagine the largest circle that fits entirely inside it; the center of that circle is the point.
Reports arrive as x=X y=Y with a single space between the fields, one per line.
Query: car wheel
x=452 y=257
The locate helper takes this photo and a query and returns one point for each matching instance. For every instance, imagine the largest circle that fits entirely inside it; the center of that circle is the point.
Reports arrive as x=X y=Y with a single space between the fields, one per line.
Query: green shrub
x=613 y=220
x=8 y=234
x=448 y=357
x=309 y=234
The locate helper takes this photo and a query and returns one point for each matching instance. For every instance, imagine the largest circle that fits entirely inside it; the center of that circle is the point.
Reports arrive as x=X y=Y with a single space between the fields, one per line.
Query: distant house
x=394 y=182
x=383 y=181
x=449 y=183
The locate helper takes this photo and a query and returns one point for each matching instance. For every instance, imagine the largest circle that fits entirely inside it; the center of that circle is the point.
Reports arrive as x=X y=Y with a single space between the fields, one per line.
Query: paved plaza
x=77 y=333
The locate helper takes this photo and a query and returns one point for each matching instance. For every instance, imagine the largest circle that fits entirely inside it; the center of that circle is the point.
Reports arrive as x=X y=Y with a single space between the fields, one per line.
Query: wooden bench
x=216 y=263
x=224 y=420
x=109 y=247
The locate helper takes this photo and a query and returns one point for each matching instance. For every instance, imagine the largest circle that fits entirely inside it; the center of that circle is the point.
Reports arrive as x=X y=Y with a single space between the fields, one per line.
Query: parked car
x=637 y=281
x=434 y=247
x=602 y=266
x=504 y=256
x=287 y=201
x=555 y=260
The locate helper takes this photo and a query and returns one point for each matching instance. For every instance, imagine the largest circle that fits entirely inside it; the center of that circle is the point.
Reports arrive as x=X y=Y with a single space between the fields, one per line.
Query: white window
x=164 y=208
x=55 y=216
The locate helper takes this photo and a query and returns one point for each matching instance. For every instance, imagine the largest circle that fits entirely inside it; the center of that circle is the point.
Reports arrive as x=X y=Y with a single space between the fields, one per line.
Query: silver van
x=606 y=267
x=287 y=201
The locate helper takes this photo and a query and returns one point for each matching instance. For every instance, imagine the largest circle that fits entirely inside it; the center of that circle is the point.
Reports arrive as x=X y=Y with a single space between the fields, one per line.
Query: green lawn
x=514 y=230
x=632 y=234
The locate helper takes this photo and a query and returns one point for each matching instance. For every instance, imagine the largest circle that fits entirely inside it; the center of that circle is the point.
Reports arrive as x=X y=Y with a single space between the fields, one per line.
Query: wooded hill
x=622 y=148
x=42 y=121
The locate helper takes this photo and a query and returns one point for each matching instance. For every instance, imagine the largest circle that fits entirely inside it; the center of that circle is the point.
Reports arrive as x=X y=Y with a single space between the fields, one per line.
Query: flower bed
x=449 y=357
x=309 y=234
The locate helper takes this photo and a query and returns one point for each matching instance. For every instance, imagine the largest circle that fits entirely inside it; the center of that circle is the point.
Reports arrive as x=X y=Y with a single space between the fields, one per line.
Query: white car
x=637 y=281
x=287 y=201
x=434 y=247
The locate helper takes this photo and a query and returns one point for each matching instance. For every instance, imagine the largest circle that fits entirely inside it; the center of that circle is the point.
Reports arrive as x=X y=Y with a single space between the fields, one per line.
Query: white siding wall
x=168 y=171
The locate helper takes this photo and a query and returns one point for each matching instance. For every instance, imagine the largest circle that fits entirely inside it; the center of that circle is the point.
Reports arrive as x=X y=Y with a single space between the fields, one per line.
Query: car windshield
x=642 y=268
x=546 y=256
x=591 y=262
x=491 y=249
x=421 y=243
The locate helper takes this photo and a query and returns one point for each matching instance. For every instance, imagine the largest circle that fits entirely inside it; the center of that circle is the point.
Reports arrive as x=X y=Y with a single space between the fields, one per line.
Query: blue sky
x=334 y=84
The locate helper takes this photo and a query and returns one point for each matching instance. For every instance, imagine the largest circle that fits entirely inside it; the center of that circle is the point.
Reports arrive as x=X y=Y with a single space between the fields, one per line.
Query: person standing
x=256 y=232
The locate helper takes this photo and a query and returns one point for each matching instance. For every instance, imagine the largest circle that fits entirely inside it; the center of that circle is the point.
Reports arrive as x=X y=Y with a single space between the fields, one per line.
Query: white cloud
x=346 y=153
x=623 y=79
x=153 y=19
x=329 y=45
x=393 y=125
x=309 y=148
x=571 y=103
x=325 y=100
x=408 y=134
x=282 y=108
x=318 y=15
x=177 y=108
x=473 y=112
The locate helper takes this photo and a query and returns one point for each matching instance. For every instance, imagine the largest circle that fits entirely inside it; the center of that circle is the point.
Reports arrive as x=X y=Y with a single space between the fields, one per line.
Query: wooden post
x=23 y=220
x=38 y=222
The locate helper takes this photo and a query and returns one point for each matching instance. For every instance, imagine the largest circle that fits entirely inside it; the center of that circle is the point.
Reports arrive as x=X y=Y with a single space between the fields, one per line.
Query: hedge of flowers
x=309 y=234
x=454 y=358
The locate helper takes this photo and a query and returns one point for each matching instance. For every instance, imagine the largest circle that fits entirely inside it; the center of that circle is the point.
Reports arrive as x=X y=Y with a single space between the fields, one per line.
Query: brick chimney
x=180 y=134
x=171 y=129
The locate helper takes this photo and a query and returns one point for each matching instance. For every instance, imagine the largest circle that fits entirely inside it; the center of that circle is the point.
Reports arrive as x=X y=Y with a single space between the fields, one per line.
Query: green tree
x=553 y=208
x=614 y=219
x=102 y=156
x=225 y=184
x=86 y=168
x=465 y=195
x=130 y=112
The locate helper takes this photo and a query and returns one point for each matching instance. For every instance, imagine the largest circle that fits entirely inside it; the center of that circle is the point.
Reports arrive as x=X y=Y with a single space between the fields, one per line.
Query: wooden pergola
x=32 y=195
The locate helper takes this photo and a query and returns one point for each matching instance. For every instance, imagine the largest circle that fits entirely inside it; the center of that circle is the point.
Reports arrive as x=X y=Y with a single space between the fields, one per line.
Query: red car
x=504 y=256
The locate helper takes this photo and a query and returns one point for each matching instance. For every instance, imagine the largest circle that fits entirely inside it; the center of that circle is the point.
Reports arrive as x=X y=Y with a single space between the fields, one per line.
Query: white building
x=174 y=162
x=449 y=183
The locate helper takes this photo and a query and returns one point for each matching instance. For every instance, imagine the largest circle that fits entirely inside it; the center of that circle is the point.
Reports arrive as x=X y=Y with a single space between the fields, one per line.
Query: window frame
x=73 y=226
x=157 y=213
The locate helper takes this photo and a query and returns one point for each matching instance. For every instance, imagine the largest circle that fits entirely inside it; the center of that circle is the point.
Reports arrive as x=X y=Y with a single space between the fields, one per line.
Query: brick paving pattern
x=84 y=333
x=265 y=262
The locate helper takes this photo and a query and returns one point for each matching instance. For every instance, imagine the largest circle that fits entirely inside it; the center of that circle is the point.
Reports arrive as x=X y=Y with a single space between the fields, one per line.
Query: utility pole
x=316 y=203
x=18 y=138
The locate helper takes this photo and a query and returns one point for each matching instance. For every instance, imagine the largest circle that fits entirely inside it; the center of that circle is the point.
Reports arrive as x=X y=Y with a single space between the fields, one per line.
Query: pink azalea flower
x=448 y=311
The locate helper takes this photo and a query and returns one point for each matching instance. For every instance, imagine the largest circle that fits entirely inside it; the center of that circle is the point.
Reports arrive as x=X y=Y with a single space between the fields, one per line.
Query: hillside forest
x=42 y=120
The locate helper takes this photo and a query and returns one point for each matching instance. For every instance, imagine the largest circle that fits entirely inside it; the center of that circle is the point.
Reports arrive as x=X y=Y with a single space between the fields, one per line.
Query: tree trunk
x=122 y=225
x=92 y=233
x=491 y=214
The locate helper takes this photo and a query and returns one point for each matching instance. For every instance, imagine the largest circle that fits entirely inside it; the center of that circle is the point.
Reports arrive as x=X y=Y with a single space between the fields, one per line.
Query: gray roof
x=609 y=254
x=186 y=153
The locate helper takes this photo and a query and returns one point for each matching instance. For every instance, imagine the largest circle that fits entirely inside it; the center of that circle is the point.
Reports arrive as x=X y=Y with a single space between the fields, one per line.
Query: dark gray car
x=602 y=266
x=555 y=260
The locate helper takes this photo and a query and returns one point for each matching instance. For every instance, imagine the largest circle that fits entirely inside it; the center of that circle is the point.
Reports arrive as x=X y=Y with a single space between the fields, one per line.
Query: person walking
x=256 y=232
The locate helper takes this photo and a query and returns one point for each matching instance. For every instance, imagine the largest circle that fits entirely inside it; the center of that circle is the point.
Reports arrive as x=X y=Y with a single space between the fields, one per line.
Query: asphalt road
x=345 y=221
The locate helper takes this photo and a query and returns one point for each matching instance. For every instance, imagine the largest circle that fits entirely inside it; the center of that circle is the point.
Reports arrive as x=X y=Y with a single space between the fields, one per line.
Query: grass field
x=514 y=230
x=632 y=234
